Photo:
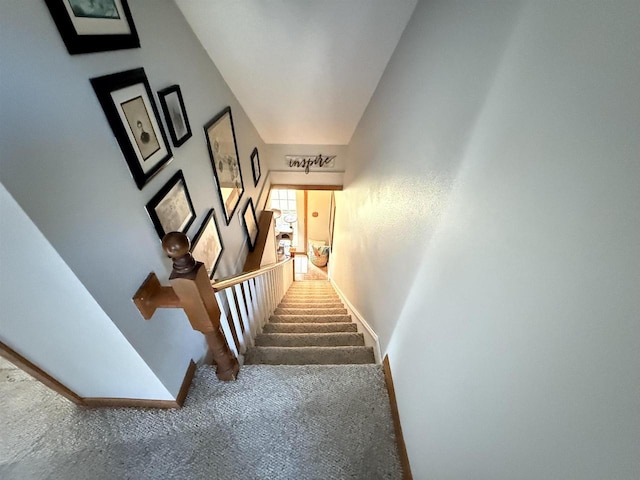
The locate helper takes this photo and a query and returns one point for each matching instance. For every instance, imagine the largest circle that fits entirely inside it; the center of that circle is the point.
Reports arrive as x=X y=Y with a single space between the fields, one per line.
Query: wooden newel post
x=191 y=284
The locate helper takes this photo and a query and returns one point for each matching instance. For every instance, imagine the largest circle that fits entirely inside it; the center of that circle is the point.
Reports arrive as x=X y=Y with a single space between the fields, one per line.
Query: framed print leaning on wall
x=175 y=114
x=223 y=151
x=128 y=104
x=88 y=26
x=207 y=245
x=171 y=209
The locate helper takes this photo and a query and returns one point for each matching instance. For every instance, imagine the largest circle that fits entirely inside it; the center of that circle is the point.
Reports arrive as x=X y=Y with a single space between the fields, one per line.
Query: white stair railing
x=247 y=301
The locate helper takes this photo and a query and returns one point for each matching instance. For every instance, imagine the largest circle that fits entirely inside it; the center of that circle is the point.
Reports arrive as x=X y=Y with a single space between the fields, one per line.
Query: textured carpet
x=310 y=308
x=274 y=422
x=309 y=327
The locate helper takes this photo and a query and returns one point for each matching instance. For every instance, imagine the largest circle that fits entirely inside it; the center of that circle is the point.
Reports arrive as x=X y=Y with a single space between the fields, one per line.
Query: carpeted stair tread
x=311 y=304
x=308 y=355
x=310 y=327
x=311 y=296
x=341 y=339
x=310 y=311
x=309 y=318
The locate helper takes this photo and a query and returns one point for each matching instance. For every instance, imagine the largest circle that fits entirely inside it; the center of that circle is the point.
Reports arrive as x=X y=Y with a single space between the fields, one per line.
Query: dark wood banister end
x=151 y=295
x=177 y=245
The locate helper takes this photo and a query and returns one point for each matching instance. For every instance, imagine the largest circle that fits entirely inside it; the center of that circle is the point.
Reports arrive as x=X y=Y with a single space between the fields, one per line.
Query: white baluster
x=252 y=314
x=244 y=315
x=226 y=329
x=236 y=319
x=257 y=314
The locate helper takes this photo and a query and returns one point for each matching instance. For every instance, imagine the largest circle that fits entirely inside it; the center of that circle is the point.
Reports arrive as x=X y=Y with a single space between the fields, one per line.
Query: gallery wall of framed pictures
x=88 y=26
x=129 y=104
x=250 y=223
x=127 y=101
x=175 y=114
x=225 y=161
x=207 y=244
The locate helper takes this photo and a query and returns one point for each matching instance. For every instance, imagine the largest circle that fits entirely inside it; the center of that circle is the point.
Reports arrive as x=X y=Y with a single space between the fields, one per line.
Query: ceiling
x=303 y=70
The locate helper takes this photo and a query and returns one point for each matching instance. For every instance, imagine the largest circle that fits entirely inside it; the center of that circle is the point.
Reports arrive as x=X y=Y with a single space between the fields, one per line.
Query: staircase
x=310 y=327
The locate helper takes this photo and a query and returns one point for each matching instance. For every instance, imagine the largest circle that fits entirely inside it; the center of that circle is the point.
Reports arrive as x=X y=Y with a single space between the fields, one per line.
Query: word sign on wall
x=308 y=162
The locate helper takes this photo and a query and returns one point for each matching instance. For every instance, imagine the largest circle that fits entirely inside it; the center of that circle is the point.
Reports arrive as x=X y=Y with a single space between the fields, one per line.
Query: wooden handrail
x=254 y=258
x=219 y=285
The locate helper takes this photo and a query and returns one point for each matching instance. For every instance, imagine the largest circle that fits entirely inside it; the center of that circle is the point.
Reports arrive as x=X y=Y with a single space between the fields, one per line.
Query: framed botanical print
x=128 y=104
x=207 y=245
x=223 y=151
x=255 y=166
x=175 y=114
x=94 y=25
x=250 y=224
x=171 y=209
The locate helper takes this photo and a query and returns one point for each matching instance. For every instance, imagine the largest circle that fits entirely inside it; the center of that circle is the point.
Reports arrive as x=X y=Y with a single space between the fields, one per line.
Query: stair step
x=311 y=305
x=327 y=291
x=307 y=298
x=342 y=339
x=308 y=355
x=311 y=292
x=310 y=311
x=309 y=318
x=310 y=327
x=328 y=299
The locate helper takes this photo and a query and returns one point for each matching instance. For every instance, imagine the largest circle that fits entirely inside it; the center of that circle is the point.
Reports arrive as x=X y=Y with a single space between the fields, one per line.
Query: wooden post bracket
x=151 y=295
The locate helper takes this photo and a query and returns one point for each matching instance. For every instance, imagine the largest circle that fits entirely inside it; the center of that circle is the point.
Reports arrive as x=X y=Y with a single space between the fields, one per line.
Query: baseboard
x=39 y=374
x=146 y=403
x=402 y=449
x=186 y=383
x=359 y=319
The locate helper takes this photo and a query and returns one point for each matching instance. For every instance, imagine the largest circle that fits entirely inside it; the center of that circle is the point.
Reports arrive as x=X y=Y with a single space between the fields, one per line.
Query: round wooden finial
x=176 y=244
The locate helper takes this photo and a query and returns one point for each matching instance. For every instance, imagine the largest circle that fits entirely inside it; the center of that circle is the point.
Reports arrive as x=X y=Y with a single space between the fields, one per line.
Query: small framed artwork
x=207 y=246
x=175 y=114
x=171 y=209
x=88 y=26
x=250 y=224
x=255 y=166
x=223 y=151
x=128 y=104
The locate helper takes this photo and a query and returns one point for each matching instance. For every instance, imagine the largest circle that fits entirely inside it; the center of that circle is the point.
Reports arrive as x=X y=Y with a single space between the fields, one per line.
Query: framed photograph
x=171 y=209
x=207 y=246
x=255 y=166
x=175 y=114
x=223 y=151
x=88 y=26
x=250 y=224
x=127 y=102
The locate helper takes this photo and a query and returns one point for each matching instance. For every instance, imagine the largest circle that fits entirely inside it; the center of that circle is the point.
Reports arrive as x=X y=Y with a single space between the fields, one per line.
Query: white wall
x=60 y=161
x=318 y=201
x=494 y=178
x=65 y=329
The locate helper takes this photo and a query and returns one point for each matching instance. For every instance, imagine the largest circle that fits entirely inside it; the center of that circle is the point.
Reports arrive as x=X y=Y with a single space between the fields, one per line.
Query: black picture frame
x=171 y=209
x=250 y=224
x=207 y=246
x=126 y=97
x=225 y=161
x=255 y=166
x=88 y=32
x=175 y=114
